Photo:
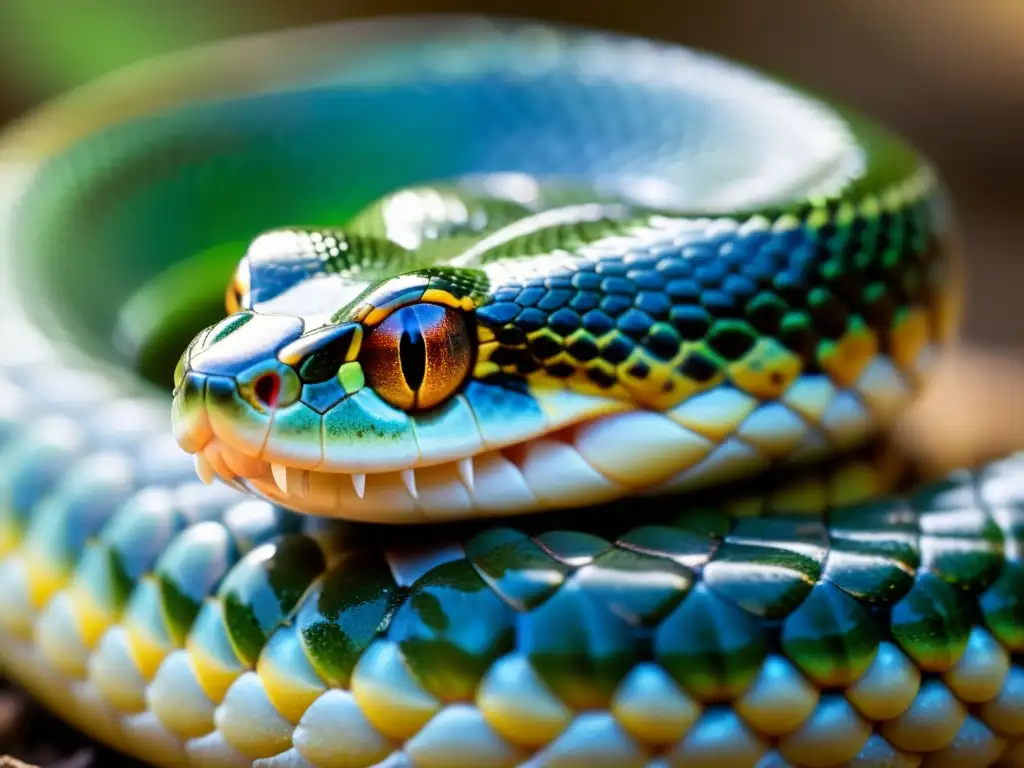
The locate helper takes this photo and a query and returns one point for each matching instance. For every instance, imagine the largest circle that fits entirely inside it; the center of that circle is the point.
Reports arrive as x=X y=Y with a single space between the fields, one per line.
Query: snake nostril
x=268 y=389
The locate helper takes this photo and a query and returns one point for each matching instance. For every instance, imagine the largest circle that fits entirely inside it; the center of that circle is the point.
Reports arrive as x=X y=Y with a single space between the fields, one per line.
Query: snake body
x=664 y=305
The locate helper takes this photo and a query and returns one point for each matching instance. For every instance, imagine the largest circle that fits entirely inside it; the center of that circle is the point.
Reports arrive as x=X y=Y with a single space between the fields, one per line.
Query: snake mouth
x=532 y=476
x=497 y=447
x=587 y=452
x=568 y=467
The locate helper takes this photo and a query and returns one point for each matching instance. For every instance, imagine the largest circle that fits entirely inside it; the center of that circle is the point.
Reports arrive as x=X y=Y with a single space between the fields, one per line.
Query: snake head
x=384 y=418
x=303 y=416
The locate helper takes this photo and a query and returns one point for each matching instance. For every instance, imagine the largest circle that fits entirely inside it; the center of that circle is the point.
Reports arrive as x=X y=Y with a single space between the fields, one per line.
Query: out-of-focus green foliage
x=49 y=46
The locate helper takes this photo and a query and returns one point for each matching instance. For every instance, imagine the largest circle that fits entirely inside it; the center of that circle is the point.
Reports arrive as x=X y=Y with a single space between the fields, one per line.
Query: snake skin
x=818 y=620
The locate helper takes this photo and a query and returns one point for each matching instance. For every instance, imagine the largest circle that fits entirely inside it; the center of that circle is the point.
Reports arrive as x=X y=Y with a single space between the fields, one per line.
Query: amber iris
x=417 y=357
x=237 y=288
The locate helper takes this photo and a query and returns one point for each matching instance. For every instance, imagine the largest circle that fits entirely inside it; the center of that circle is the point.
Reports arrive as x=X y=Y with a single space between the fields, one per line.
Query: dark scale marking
x=600 y=377
x=720 y=304
x=430 y=629
x=527 y=365
x=531 y=320
x=829 y=314
x=544 y=347
x=692 y=322
x=699 y=367
x=797 y=333
x=229 y=326
x=765 y=312
x=634 y=323
x=597 y=322
x=639 y=370
x=848 y=284
x=508 y=355
x=732 y=340
x=662 y=343
x=515 y=567
x=564 y=322
x=740 y=287
x=561 y=370
x=710 y=647
x=617 y=349
x=760 y=270
x=791 y=287
x=513 y=335
x=578 y=645
x=831 y=637
x=583 y=349
x=879 y=308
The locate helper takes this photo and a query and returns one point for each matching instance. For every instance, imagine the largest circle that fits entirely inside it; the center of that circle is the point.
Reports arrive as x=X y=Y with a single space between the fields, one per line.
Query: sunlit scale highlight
x=609 y=357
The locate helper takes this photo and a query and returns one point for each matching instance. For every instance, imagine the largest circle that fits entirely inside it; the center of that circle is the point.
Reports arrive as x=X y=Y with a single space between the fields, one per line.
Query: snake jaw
x=497 y=450
x=361 y=458
x=319 y=440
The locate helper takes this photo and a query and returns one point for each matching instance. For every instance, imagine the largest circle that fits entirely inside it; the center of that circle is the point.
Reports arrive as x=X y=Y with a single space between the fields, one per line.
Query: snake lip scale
x=540 y=385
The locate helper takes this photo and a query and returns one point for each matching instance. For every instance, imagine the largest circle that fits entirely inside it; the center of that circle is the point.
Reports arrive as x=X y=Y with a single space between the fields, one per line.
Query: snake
x=539 y=382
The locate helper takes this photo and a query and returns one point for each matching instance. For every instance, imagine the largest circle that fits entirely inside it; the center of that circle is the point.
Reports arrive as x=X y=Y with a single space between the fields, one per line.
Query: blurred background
x=948 y=74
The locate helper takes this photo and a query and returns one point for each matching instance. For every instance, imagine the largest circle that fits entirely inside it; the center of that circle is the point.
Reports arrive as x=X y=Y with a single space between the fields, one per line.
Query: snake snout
x=240 y=342
x=229 y=380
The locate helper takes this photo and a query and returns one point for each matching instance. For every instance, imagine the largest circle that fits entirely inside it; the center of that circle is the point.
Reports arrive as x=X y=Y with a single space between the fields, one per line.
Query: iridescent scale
x=774 y=281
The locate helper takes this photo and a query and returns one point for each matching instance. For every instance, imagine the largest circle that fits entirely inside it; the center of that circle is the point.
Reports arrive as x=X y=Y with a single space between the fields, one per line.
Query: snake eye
x=418 y=356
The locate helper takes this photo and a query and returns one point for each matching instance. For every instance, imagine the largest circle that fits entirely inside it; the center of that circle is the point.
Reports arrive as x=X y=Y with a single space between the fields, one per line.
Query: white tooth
x=359 y=483
x=204 y=469
x=465 y=470
x=280 y=474
x=409 y=478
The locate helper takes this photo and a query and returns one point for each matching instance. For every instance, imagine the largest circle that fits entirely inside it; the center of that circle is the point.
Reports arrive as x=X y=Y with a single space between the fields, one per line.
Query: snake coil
x=662 y=304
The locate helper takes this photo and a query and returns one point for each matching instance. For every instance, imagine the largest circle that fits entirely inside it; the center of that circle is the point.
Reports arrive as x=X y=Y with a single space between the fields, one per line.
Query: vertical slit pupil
x=412 y=351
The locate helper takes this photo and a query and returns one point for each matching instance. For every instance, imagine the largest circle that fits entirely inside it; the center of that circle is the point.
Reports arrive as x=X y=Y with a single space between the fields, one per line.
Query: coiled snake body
x=559 y=295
